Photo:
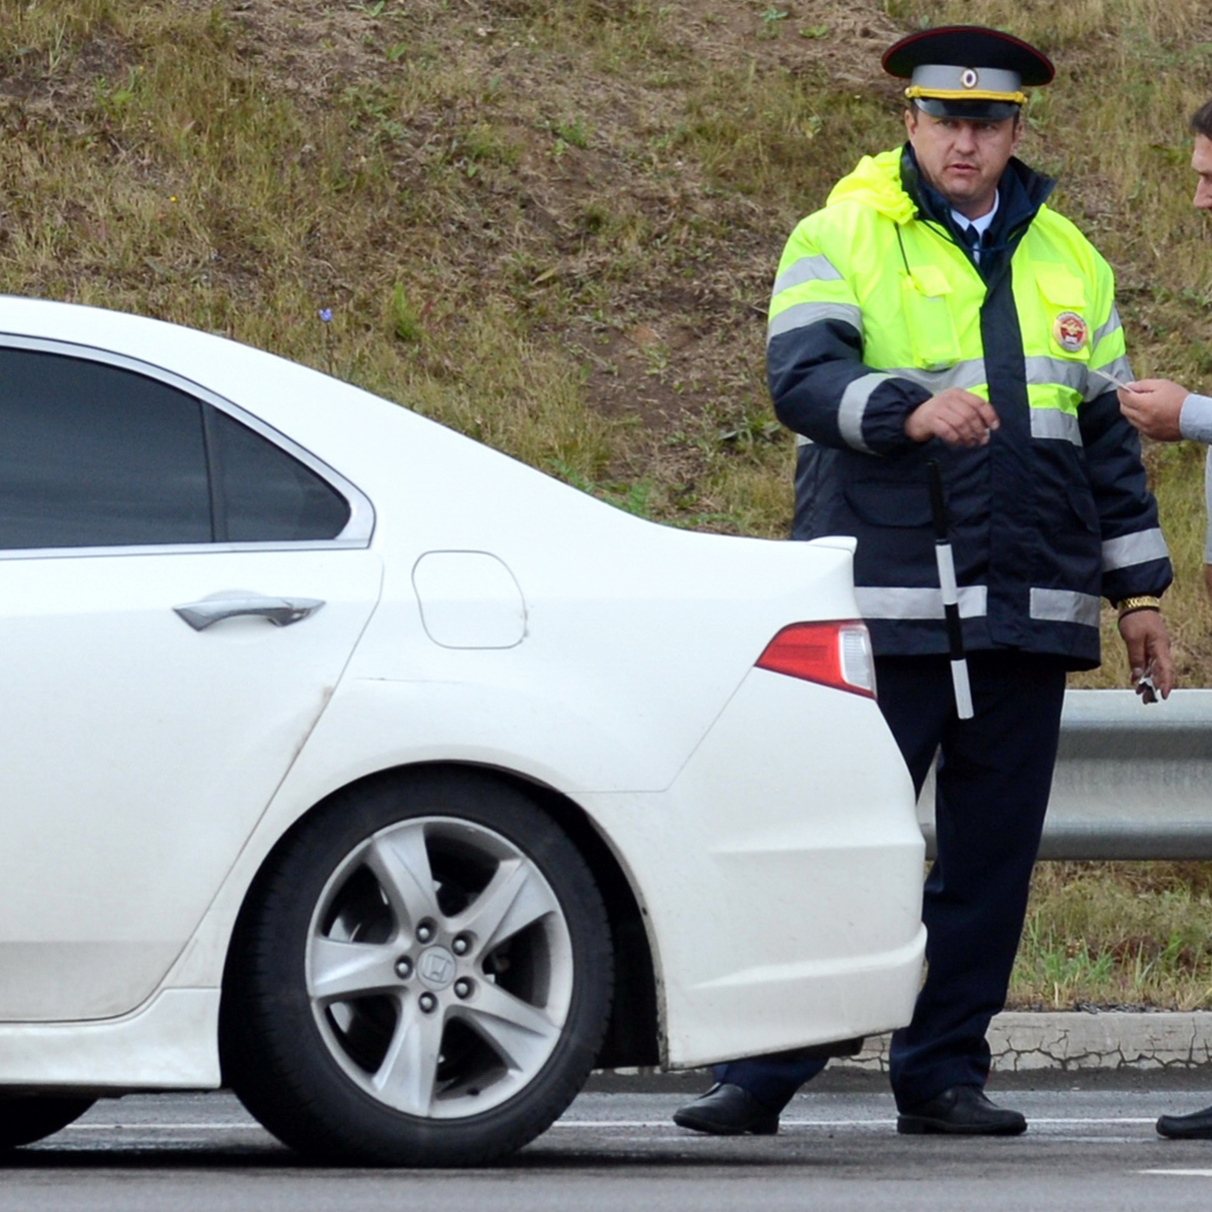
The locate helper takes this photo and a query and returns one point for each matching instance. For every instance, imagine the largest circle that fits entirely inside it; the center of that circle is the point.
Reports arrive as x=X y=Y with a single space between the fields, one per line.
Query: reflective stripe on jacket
x=876 y=308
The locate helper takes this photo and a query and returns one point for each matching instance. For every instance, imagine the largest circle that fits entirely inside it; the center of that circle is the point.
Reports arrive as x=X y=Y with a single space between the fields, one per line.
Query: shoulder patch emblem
x=1070 y=331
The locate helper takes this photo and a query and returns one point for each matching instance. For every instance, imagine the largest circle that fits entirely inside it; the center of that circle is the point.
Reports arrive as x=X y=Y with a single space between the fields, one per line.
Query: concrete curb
x=1110 y=1040
x=1105 y=1045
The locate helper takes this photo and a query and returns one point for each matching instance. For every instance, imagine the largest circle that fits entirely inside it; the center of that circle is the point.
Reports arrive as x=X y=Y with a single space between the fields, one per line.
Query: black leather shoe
x=960 y=1111
x=1196 y=1126
x=727 y=1110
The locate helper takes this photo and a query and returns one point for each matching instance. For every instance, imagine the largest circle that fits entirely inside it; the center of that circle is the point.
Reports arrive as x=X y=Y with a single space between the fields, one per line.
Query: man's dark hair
x=1201 y=120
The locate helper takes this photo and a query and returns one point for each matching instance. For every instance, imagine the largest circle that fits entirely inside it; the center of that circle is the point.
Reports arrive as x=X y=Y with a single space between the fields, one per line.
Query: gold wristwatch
x=1143 y=602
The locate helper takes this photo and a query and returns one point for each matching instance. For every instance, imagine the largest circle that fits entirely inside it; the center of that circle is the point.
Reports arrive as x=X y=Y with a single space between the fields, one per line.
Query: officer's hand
x=956 y=416
x=1148 y=643
x=1153 y=405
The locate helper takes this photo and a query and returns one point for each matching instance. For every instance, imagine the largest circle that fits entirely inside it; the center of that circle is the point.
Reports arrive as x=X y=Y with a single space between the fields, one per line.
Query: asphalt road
x=1092 y=1146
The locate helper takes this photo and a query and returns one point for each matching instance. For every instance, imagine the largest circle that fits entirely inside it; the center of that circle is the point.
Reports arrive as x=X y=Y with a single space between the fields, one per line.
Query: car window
x=95 y=455
x=264 y=493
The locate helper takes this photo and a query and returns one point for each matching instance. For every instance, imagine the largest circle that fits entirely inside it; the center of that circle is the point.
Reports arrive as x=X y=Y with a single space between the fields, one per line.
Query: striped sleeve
x=820 y=386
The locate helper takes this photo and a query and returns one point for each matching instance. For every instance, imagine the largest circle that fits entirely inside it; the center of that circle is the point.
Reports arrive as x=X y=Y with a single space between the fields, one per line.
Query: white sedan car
x=395 y=785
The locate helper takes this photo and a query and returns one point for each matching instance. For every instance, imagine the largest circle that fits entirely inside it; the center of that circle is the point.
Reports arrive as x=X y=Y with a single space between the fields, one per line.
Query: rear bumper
x=781 y=876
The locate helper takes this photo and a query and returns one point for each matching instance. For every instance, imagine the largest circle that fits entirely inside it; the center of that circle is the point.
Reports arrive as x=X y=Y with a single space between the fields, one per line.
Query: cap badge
x=970 y=77
x=1070 y=331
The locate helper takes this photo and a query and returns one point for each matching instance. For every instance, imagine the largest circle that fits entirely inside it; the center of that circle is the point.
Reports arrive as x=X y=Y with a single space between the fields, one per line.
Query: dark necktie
x=974 y=240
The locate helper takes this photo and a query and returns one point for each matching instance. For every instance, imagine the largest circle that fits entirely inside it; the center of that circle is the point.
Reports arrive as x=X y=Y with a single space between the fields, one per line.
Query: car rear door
x=180 y=590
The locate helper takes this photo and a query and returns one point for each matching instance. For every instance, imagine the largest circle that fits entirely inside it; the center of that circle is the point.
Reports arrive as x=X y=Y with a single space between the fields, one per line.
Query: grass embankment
x=552 y=224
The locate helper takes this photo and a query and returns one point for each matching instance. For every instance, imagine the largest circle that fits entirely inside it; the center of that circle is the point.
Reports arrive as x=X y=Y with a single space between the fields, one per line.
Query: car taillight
x=834 y=654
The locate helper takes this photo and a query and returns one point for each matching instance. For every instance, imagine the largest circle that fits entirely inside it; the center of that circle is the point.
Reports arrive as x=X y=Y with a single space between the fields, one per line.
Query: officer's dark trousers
x=993 y=778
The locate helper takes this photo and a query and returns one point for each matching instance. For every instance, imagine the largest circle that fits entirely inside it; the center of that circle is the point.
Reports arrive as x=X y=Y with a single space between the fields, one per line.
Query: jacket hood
x=876 y=182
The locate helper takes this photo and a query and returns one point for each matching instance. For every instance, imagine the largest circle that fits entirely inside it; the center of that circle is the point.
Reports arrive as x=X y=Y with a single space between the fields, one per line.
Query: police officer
x=936 y=310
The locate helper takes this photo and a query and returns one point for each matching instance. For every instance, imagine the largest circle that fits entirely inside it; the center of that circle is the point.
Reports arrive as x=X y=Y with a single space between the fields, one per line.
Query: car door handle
x=281 y=612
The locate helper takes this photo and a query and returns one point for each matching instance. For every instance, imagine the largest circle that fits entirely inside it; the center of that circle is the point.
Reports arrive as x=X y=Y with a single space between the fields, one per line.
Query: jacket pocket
x=1065 y=311
x=924 y=298
x=1082 y=504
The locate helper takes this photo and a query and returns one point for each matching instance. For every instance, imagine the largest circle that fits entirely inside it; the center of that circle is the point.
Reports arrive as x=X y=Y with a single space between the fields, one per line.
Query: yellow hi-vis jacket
x=876 y=308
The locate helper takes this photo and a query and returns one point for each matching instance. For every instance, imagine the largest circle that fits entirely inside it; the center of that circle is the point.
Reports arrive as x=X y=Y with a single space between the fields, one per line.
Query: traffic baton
x=946 y=582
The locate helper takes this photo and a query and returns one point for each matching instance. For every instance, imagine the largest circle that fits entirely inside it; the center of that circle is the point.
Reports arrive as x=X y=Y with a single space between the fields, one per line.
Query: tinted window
x=266 y=494
x=95 y=456
x=92 y=455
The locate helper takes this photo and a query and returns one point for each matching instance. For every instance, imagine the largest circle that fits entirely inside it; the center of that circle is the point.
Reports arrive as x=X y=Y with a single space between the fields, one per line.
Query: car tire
x=422 y=976
x=24 y=1120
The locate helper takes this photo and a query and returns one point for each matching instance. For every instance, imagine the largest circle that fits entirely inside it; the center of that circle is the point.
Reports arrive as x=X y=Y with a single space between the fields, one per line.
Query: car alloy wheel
x=422 y=978
x=439 y=967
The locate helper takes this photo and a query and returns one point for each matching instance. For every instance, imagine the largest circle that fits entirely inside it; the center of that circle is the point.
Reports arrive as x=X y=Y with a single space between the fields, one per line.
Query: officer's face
x=963 y=158
x=1201 y=161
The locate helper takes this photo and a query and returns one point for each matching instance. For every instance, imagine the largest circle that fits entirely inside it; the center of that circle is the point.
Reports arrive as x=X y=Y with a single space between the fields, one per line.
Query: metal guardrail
x=1132 y=781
